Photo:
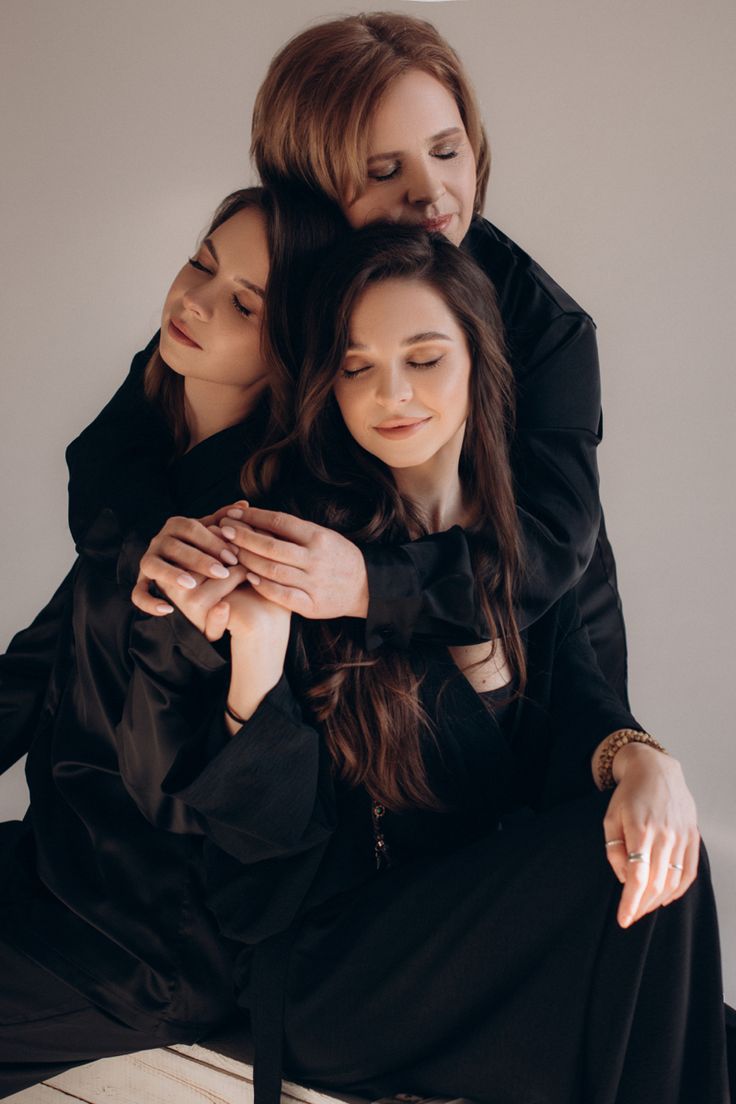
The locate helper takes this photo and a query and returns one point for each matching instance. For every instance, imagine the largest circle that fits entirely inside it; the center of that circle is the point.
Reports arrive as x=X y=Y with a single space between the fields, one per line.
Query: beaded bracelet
x=233 y=715
x=612 y=745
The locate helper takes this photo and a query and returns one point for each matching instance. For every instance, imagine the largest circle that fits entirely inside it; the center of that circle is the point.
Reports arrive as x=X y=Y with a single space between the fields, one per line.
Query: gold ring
x=613 y=843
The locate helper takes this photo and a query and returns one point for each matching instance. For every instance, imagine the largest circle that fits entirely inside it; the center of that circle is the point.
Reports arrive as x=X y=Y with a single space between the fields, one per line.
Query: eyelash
x=235 y=301
x=347 y=374
x=380 y=179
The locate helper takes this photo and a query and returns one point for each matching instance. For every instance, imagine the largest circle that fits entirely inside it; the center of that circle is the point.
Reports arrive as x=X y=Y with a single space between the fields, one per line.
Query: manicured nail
x=163 y=608
x=228 y=557
x=228 y=532
x=187 y=581
x=254 y=579
x=234 y=513
x=219 y=571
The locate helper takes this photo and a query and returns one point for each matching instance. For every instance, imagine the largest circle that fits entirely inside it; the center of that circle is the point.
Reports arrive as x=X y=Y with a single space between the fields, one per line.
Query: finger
x=274 y=572
x=690 y=863
x=197 y=604
x=265 y=544
x=202 y=558
x=168 y=576
x=216 y=621
x=291 y=598
x=676 y=868
x=286 y=526
x=229 y=553
x=638 y=848
x=659 y=869
x=142 y=598
x=613 y=841
x=235 y=509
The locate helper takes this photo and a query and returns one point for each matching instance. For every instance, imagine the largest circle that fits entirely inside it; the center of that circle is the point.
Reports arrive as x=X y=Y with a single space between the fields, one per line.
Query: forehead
x=242 y=245
x=414 y=106
x=390 y=312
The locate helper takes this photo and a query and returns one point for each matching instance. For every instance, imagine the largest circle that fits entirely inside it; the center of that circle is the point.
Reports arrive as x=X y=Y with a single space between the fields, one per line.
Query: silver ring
x=675 y=866
x=613 y=843
x=638 y=857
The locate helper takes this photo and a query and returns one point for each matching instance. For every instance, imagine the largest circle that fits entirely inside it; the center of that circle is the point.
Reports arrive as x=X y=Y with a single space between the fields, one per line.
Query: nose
x=393 y=387
x=196 y=300
x=424 y=182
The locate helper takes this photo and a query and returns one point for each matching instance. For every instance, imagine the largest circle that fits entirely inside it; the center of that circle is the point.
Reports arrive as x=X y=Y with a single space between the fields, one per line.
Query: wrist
x=609 y=751
x=631 y=757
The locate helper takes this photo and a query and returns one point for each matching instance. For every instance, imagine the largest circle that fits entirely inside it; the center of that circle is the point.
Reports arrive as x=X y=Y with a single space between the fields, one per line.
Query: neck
x=435 y=488
x=212 y=407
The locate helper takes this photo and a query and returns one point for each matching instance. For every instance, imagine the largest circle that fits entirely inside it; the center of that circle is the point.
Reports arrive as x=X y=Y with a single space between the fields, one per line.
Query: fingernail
x=229 y=557
x=163 y=608
x=219 y=571
x=228 y=532
x=187 y=581
x=234 y=513
x=254 y=579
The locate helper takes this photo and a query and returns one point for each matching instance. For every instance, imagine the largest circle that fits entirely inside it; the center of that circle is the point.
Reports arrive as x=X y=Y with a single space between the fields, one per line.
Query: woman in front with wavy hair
x=408 y=845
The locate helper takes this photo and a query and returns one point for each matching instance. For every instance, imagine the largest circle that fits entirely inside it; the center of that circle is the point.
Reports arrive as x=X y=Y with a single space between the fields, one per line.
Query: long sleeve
x=262 y=793
x=25 y=675
x=414 y=589
x=584 y=709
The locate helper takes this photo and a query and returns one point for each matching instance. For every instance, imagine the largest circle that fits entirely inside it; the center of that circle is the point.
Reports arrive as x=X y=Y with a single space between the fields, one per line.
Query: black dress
x=485 y=959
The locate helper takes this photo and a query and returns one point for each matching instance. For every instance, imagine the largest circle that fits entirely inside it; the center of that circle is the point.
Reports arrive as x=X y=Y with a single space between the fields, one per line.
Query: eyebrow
x=448 y=133
x=428 y=335
x=238 y=279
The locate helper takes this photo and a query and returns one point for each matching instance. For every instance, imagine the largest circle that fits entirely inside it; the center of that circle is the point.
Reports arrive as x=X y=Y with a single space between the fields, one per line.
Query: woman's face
x=421 y=167
x=211 y=321
x=403 y=386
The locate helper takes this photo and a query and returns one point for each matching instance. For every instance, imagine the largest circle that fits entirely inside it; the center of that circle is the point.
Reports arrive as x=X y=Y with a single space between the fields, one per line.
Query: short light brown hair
x=312 y=112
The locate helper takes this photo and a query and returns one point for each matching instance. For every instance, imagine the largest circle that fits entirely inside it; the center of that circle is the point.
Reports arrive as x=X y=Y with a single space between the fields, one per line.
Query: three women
x=370 y=160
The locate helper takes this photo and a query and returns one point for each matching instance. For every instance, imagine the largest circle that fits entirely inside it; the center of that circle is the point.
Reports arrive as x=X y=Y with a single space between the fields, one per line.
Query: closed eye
x=424 y=363
x=351 y=373
x=239 y=307
x=199 y=266
x=388 y=174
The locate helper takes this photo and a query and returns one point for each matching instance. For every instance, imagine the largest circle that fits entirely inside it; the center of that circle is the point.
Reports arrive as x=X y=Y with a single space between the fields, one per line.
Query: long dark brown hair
x=300 y=225
x=369 y=705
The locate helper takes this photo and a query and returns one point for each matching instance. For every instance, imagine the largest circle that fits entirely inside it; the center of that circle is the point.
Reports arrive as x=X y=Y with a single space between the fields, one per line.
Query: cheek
x=350 y=406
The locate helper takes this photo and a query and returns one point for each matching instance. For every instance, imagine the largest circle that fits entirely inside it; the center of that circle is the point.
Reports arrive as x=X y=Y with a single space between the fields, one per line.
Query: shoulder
x=524 y=288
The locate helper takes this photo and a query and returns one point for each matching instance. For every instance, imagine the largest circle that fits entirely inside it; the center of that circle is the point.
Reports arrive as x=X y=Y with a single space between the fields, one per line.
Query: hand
x=653 y=812
x=181 y=557
x=296 y=564
x=182 y=561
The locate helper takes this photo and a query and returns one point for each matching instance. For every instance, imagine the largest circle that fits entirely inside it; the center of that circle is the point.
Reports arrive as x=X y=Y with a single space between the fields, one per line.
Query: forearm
x=256 y=667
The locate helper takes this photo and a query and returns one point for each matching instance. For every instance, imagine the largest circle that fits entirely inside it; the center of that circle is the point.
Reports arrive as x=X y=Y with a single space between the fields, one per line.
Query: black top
x=90 y=888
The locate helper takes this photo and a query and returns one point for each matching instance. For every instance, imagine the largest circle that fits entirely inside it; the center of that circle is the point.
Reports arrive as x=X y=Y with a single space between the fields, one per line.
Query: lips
x=179 y=332
x=400 y=427
x=437 y=225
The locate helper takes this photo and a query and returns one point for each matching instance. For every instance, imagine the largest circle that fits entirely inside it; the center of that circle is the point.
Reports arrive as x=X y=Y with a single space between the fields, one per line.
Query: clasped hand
x=294 y=564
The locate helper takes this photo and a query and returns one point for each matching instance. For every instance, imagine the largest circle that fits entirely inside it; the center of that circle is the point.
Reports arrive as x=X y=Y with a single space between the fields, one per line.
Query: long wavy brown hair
x=369 y=705
x=300 y=225
x=312 y=112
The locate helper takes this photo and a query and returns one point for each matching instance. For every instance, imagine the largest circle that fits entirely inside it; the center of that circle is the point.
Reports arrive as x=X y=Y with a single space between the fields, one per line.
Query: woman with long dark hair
x=106 y=944
x=408 y=846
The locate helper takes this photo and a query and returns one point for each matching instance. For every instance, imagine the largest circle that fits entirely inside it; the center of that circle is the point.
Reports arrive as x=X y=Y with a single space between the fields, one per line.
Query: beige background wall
x=124 y=123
